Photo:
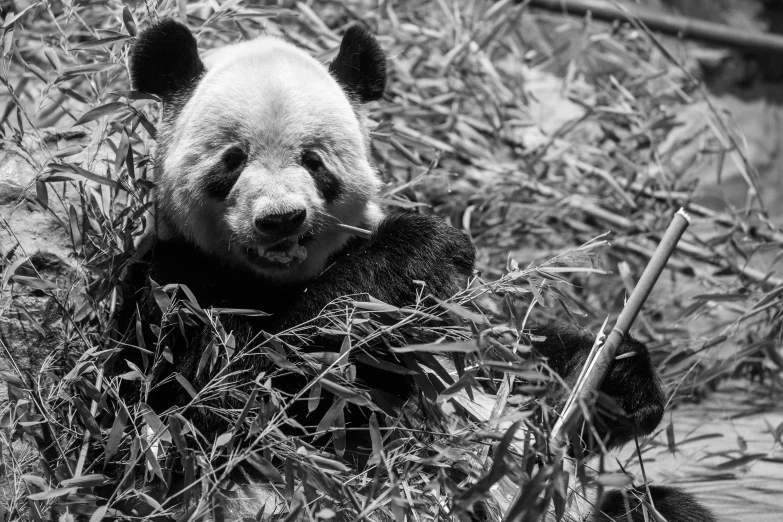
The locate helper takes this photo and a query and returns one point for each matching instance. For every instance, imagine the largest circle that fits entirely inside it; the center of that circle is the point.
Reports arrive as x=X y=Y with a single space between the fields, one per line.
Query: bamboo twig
x=86 y=437
x=354 y=231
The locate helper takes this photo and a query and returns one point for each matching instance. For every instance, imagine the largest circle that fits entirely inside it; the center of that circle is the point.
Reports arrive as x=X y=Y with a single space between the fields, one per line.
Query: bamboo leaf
x=99 y=112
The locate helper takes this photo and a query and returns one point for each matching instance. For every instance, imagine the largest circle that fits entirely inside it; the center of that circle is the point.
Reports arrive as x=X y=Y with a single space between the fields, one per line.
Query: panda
x=263 y=158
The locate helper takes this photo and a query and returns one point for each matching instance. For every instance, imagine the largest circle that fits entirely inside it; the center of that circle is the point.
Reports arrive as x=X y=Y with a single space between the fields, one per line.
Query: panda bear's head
x=263 y=150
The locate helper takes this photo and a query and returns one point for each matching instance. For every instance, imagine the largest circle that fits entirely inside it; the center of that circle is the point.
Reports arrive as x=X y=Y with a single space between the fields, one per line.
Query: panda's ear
x=360 y=66
x=164 y=60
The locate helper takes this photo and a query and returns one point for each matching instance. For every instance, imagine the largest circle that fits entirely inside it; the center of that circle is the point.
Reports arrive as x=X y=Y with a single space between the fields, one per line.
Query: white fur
x=276 y=99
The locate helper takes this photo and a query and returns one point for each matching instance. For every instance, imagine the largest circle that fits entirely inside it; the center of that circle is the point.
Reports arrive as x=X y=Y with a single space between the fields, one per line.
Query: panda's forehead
x=271 y=92
x=271 y=73
x=273 y=52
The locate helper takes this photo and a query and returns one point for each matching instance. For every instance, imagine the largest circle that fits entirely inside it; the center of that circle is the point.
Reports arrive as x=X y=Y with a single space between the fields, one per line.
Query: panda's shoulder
x=405 y=243
x=424 y=231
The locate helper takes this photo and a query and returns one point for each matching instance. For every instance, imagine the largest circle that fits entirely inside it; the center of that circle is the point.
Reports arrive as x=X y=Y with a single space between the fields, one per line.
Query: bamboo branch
x=680 y=26
x=354 y=231
x=86 y=437
x=703 y=255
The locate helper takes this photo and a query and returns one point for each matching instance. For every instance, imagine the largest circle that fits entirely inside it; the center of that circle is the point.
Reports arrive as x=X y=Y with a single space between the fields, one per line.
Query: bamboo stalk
x=602 y=355
x=604 y=358
x=680 y=26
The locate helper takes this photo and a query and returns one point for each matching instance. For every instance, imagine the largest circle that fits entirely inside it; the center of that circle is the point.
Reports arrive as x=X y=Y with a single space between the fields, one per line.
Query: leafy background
x=562 y=146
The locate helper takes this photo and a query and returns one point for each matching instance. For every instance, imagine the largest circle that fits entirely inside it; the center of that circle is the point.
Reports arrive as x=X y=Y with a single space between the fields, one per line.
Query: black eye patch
x=221 y=178
x=328 y=185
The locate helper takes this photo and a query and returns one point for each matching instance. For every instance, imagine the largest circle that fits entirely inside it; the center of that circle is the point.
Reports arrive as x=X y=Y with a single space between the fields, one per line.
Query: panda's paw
x=425 y=248
x=634 y=386
x=631 y=399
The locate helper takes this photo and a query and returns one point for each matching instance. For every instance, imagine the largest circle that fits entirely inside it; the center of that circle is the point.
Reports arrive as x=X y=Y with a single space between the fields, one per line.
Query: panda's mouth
x=282 y=254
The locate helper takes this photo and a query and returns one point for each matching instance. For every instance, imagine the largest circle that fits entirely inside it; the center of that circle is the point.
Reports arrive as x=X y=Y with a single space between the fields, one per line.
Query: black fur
x=673 y=504
x=632 y=383
x=406 y=247
x=221 y=178
x=360 y=66
x=329 y=186
x=164 y=61
x=218 y=183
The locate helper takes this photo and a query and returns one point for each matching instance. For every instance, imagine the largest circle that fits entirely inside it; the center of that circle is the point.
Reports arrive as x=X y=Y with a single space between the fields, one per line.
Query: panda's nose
x=282 y=224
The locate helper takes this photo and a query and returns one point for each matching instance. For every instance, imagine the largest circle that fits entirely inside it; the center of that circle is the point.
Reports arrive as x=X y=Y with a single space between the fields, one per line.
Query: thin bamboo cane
x=602 y=356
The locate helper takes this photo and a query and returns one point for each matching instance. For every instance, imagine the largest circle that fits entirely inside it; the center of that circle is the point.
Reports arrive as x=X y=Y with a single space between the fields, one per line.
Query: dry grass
x=555 y=143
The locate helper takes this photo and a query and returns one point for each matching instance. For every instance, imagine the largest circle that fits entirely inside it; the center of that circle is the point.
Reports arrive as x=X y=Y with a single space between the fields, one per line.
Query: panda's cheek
x=232 y=221
x=201 y=227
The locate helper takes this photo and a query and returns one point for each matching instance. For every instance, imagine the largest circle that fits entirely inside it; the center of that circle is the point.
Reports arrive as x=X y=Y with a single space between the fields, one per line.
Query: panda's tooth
x=261 y=251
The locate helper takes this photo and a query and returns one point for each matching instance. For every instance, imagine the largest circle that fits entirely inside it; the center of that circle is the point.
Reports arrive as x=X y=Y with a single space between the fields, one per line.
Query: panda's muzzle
x=280 y=225
x=281 y=237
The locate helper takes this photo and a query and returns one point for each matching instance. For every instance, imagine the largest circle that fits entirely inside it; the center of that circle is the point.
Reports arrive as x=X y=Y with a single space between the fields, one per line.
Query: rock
x=30 y=321
x=16 y=174
x=28 y=226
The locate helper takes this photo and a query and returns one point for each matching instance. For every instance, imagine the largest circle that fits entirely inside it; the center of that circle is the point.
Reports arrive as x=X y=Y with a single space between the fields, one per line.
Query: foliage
x=476 y=127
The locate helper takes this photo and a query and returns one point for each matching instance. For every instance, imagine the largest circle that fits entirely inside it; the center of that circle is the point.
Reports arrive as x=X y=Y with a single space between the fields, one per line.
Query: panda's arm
x=632 y=383
x=410 y=247
x=406 y=247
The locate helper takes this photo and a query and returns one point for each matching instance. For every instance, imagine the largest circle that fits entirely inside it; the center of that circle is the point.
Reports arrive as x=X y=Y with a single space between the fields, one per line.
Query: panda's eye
x=329 y=186
x=312 y=162
x=234 y=158
x=219 y=181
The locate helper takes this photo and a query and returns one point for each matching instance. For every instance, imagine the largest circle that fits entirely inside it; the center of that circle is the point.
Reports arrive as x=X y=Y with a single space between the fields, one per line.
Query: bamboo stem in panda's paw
x=601 y=359
x=602 y=355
